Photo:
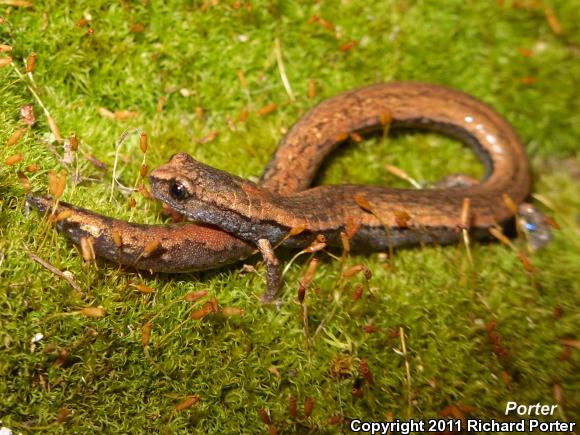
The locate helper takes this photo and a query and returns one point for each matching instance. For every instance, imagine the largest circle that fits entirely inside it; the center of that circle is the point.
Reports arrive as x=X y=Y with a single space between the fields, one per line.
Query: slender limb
x=457 y=181
x=274 y=276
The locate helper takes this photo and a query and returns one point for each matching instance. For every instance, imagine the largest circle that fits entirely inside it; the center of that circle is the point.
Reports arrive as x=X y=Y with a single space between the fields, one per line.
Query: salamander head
x=192 y=188
x=176 y=180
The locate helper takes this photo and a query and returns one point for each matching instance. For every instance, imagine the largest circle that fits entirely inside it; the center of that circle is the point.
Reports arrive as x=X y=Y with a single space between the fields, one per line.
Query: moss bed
x=441 y=337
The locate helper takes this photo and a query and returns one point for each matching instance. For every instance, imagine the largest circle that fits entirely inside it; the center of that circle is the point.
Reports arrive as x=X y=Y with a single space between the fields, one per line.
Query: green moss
x=97 y=367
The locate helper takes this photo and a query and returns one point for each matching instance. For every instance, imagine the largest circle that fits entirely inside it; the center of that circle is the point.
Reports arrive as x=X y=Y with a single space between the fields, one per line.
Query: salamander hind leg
x=456 y=181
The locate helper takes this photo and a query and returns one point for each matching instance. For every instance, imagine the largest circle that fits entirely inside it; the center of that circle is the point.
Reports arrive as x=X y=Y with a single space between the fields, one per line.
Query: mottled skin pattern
x=281 y=202
x=199 y=247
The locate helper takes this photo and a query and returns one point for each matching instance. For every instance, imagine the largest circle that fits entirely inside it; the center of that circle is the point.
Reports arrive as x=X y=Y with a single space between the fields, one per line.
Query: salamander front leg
x=273 y=273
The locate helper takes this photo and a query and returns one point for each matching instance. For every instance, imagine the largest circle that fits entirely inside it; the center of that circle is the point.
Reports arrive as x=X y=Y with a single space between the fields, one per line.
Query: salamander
x=239 y=217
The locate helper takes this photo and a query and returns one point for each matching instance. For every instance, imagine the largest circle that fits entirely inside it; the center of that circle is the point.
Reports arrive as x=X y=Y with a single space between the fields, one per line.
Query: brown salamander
x=261 y=215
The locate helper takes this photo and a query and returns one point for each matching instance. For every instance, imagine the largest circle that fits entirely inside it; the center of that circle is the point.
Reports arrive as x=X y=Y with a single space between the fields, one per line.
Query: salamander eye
x=178 y=191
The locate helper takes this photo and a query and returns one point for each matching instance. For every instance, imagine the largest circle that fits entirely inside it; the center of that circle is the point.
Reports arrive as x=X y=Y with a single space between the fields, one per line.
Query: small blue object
x=531 y=227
